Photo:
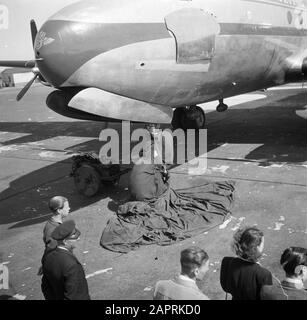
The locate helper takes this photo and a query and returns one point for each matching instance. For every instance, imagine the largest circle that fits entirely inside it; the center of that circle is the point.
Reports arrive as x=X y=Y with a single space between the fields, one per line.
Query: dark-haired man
x=294 y=262
x=63 y=275
x=194 y=265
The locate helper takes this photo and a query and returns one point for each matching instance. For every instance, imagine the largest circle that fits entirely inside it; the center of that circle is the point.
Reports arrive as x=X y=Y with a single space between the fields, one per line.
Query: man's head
x=59 y=206
x=194 y=263
x=294 y=262
x=66 y=234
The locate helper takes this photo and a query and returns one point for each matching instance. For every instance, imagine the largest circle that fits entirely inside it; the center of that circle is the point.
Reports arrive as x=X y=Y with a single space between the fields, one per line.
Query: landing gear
x=90 y=175
x=191 y=117
x=222 y=107
x=87 y=180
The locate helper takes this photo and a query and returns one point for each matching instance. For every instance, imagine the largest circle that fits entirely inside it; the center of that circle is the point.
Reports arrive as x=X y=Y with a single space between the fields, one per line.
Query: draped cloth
x=168 y=217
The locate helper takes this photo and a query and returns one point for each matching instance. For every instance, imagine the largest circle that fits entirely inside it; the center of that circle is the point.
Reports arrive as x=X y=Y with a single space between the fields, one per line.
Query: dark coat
x=146 y=182
x=243 y=279
x=63 y=276
x=283 y=291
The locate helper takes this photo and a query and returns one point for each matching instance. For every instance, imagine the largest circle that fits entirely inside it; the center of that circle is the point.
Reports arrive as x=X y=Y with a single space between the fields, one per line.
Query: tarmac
x=260 y=143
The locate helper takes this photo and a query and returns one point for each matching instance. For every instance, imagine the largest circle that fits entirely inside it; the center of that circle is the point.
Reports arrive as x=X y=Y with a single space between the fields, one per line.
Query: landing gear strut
x=222 y=107
x=191 y=117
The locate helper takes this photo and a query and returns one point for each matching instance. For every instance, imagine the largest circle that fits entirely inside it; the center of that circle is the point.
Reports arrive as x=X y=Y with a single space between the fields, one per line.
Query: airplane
x=154 y=61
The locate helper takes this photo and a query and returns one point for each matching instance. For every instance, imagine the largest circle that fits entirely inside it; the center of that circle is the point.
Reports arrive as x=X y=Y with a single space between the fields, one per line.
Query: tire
x=177 y=118
x=190 y=118
x=87 y=180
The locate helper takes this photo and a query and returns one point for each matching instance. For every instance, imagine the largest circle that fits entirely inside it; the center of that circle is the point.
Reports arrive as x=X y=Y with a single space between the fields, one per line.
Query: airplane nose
x=49 y=53
x=62 y=47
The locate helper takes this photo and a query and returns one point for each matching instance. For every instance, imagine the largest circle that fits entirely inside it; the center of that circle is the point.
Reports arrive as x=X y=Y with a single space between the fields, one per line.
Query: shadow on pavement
x=275 y=125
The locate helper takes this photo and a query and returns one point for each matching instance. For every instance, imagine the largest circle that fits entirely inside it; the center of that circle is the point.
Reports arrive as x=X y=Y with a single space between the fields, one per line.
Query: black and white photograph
x=153 y=150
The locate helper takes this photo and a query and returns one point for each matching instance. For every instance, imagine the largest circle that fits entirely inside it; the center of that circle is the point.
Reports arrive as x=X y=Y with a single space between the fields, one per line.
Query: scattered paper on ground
x=278 y=226
x=221 y=169
x=238 y=225
x=8 y=148
x=98 y=272
x=148 y=288
x=47 y=154
x=225 y=224
x=26 y=269
x=19 y=297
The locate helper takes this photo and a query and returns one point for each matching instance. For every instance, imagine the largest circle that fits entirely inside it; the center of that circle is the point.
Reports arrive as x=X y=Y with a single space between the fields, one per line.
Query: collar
x=185 y=278
x=63 y=248
x=66 y=251
x=293 y=283
x=185 y=281
x=56 y=219
x=248 y=260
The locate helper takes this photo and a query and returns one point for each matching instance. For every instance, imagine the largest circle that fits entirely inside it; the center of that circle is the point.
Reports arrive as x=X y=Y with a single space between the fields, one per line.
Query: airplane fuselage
x=127 y=47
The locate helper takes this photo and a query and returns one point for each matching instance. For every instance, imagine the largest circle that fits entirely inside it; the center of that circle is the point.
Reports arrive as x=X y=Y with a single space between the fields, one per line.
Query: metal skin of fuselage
x=124 y=47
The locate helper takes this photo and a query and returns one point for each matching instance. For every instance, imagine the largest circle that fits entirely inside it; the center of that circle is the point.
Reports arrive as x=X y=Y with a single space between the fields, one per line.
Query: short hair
x=245 y=243
x=293 y=257
x=192 y=258
x=56 y=203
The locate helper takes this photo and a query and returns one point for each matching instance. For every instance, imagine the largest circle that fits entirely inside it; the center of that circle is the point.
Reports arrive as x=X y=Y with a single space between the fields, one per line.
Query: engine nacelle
x=297 y=71
x=58 y=101
x=304 y=67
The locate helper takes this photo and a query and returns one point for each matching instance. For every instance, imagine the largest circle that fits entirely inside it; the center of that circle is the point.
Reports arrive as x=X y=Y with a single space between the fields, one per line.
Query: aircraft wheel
x=193 y=118
x=177 y=116
x=189 y=118
x=87 y=180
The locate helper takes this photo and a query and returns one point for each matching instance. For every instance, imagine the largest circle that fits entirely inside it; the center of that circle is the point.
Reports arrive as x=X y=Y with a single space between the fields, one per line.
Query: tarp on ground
x=174 y=216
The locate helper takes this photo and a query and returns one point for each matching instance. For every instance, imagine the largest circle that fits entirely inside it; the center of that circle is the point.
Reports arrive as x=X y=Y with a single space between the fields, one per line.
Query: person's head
x=153 y=129
x=194 y=263
x=66 y=234
x=248 y=243
x=294 y=262
x=59 y=206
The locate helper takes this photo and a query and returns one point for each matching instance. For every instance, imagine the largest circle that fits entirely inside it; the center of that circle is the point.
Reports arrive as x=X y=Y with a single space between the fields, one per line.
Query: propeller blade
x=42 y=79
x=33 y=31
x=26 y=88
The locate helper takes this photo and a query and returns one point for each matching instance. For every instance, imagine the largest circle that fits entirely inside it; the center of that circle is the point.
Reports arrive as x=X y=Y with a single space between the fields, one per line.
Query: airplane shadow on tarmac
x=275 y=126
x=279 y=127
x=25 y=202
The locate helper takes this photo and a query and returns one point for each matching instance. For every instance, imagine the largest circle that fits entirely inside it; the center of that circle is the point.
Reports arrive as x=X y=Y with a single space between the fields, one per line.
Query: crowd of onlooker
x=241 y=276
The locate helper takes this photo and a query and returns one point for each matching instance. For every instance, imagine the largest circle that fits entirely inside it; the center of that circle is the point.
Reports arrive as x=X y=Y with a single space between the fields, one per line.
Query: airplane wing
x=29 y=64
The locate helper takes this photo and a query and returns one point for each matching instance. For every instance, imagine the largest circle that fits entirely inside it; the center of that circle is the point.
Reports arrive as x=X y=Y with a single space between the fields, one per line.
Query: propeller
x=33 y=31
x=31 y=64
x=28 y=85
